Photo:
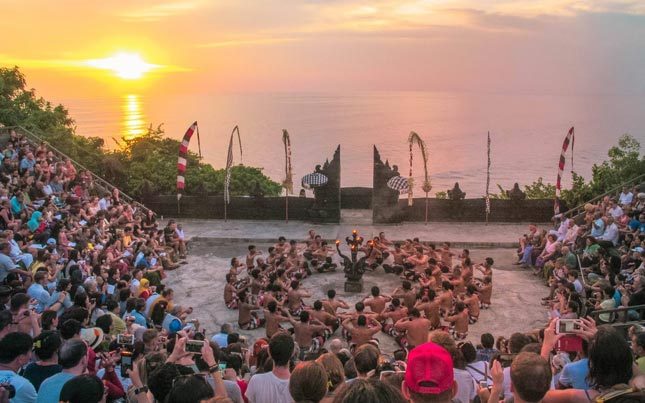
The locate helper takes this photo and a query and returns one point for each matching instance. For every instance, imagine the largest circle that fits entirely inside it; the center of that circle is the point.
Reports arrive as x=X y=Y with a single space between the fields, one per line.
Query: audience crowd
x=85 y=315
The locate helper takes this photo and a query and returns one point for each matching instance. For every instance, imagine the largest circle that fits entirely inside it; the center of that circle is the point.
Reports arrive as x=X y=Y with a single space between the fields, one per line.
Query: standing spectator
x=530 y=379
x=429 y=375
x=626 y=197
x=273 y=387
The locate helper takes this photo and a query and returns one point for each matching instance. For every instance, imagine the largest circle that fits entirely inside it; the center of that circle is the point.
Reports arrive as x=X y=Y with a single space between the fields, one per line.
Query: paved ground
x=469 y=235
x=200 y=283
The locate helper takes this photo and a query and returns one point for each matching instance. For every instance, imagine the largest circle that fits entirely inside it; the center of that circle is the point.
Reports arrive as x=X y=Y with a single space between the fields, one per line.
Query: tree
x=142 y=165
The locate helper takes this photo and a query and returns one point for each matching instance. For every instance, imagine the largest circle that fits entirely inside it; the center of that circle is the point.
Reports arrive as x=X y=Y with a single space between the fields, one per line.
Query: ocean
x=526 y=131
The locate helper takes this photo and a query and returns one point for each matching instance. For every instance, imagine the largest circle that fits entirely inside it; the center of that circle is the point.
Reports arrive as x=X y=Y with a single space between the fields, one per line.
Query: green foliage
x=441 y=195
x=625 y=163
x=539 y=190
x=147 y=164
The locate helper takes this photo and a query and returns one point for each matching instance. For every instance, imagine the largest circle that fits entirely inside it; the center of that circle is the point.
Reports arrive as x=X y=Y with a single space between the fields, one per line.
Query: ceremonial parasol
x=314 y=180
x=398 y=183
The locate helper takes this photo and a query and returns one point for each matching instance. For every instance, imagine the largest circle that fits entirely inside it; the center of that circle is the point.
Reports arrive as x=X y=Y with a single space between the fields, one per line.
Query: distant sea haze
x=526 y=131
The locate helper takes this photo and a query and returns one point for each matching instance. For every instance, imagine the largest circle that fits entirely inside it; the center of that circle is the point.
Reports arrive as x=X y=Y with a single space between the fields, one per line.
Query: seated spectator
x=15 y=352
x=83 y=389
x=46 y=347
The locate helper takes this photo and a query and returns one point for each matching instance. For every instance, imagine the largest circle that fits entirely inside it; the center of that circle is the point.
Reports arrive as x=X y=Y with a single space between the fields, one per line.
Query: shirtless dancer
x=247 y=316
x=360 y=333
x=273 y=318
x=414 y=330
x=310 y=334
x=458 y=323
x=295 y=296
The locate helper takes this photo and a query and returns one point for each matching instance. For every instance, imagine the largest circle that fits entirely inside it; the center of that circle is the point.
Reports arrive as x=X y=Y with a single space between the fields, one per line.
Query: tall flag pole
x=182 y=160
x=427 y=187
x=570 y=138
x=488 y=182
x=229 y=164
x=288 y=172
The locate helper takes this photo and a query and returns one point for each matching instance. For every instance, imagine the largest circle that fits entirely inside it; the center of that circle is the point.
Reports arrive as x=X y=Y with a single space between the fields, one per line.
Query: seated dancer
x=273 y=317
x=419 y=262
x=399 y=257
x=323 y=316
x=247 y=314
x=471 y=300
x=487 y=267
x=406 y=293
x=359 y=332
x=310 y=334
x=391 y=315
x=446 y=254
x=413 y=330
x=446 y=298
x=485 y=292
x=250 y=257
x=458 y=323
x=331 y=304
x=295 y=296
x=430 y=307
x=376 y=302
x=231 y=291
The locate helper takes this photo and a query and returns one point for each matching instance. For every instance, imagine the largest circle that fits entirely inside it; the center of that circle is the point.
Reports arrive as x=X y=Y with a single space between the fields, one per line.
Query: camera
x=567 y=326
x=125 y=339
x=126 y=363
x=9 y=388
x=194 y=346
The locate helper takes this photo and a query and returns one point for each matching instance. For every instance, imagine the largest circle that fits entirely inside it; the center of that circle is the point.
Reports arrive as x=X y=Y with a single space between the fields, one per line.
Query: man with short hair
x=73 y=358
x=414 y=329
x=273 y=387
x=15 y=352
x=626 y=197
x=429 y=376
x=222 y=337
x=530 y=379
x=38 y=292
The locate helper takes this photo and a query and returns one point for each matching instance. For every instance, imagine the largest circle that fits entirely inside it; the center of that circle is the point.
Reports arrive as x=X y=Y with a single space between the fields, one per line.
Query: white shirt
x=626 y=198
x=611 y=234
x=466 y=386
x=616 y=212
x=268 y=388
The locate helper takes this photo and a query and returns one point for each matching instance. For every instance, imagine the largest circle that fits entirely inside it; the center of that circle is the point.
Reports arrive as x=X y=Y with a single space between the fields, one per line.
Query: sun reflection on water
x=133 y=120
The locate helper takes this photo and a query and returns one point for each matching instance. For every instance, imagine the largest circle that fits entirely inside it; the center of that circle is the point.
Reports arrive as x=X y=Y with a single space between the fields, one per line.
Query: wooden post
x=426 y=208
x=286 y=205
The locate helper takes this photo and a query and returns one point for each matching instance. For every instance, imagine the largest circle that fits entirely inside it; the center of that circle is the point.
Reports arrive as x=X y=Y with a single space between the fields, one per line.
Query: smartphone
x=567 y=326
x=483 y=384
x=125 y=339
x=222 y=366
x=126 y=363
x=194 y=346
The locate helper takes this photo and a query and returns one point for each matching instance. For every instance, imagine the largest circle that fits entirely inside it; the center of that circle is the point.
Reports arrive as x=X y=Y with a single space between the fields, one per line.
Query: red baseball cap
x=429 y=369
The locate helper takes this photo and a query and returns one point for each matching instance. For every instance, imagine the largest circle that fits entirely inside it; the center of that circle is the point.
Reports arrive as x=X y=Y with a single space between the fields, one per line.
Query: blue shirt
x=67 y=302
x=38 y=292
x=6 y=265
x=139 y=319
x=25 y=391
x=16 y=206
x=27 y=164
x=575 y=374
x=49 y=391
x=598 y=228
x=221 y=339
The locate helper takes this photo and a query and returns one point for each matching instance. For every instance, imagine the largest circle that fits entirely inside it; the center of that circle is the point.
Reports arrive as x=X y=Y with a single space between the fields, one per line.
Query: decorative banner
x=414 y=138
x=488 y=181
x=287 y=184
x=182 y=158
x=229 y=163
x=314 y=180
x=570 y=138
x=399 y=183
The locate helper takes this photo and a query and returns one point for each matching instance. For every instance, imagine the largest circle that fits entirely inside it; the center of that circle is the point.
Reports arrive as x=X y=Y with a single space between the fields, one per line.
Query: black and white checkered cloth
x=314 y=180
x=398 y=183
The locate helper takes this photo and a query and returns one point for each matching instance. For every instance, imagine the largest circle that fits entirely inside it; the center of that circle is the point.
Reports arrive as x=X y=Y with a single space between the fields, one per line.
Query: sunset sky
x=546 y=46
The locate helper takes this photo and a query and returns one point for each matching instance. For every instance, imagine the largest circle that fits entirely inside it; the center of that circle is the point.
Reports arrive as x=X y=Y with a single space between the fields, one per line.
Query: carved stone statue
x=353 y=267
x=516 y=194
x=456 y=193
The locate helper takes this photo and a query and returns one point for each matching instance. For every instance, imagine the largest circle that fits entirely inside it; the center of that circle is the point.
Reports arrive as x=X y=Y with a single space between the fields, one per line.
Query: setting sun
x=129 y=66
